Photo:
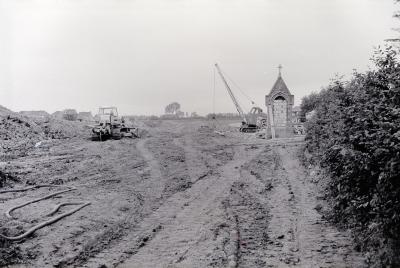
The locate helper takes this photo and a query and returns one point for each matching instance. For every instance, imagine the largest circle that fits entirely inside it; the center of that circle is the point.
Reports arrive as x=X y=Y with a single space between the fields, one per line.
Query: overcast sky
x=141 y=55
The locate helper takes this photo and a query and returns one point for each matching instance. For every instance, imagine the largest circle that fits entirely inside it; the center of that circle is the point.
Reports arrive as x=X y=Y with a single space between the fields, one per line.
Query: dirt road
x=184 y=196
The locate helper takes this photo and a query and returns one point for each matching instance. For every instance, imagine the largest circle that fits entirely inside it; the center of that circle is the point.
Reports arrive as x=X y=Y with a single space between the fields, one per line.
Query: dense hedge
x=355 y=135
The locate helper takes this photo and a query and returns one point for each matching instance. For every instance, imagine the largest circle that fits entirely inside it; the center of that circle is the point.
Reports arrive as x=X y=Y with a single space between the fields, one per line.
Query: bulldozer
x=110 y=125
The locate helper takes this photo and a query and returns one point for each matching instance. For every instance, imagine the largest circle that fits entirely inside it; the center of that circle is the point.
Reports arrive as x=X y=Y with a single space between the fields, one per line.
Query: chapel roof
x=280 y=86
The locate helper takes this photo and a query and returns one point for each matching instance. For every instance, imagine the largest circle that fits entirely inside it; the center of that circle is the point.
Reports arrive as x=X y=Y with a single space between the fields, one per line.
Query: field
x=180 y=196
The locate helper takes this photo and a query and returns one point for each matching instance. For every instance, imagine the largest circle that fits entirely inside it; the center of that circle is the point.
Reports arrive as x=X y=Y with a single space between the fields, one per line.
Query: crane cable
x=214 y=115
x=240 y=104
x=214 y=94
x=241 y=91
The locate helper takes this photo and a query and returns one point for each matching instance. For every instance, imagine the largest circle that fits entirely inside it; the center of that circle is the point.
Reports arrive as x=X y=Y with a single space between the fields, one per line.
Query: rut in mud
x=184 y=196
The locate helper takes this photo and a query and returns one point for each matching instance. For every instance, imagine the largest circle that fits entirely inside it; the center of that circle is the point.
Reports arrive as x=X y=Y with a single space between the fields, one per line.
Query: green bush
x=355 y=136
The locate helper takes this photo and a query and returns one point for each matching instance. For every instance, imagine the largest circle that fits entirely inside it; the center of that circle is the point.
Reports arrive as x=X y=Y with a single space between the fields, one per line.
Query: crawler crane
x=251 y=122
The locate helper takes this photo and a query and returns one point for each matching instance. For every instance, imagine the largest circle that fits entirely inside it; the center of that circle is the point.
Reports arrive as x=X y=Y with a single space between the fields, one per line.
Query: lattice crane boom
x=235 y=102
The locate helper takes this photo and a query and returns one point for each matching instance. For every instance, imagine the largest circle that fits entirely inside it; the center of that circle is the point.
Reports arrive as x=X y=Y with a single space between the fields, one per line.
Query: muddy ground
x=182 y=196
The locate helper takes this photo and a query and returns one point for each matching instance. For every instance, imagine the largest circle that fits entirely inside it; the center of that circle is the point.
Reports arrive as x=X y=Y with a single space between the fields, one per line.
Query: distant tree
x=70 y=114
x=396 y=15
x=180 y=114
x=153 y=117
x=172 y=108
x=309 y=103
x=211 y=116
x=223 y=116
x=193 y=114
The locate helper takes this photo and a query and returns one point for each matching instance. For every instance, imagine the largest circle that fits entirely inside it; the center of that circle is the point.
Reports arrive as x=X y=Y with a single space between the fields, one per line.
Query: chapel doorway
x=280 y=111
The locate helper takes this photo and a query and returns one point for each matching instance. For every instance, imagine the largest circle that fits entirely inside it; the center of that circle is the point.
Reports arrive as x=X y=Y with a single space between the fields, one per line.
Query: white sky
x=141 y=55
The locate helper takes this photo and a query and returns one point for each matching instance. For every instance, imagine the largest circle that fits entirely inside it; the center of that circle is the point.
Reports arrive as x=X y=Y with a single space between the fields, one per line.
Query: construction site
x=199 y=133
x=200 y=192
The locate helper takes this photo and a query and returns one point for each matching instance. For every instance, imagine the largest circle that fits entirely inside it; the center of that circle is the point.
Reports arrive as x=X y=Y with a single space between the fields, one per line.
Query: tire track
x=318 y=242
x=188 y=218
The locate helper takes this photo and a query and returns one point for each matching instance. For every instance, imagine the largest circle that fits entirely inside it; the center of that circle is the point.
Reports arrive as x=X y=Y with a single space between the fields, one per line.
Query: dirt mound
x=61 y=129
x=4 y=111
x=19 y=133
x=57 y=115
x=9 y=253
x=85 y=116
x=41 y=113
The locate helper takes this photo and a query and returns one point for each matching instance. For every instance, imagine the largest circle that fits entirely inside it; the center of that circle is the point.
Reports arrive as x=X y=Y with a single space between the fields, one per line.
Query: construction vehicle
x=110 y=125
x=254 y=120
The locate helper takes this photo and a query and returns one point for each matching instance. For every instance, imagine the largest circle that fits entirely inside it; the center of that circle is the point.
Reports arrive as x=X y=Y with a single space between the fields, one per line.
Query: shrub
x=355 y=135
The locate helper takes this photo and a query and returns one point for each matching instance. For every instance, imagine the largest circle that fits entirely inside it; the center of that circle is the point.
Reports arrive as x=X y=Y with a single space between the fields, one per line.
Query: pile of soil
x=19 y=133
x=35 y=113
x=9 y=253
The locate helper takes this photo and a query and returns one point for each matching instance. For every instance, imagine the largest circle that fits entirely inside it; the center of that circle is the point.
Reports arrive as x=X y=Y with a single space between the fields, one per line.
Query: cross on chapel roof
x=280 y=85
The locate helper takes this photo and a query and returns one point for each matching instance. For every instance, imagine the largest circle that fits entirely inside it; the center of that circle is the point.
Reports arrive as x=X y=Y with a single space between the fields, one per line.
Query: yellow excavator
x=254 y=120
